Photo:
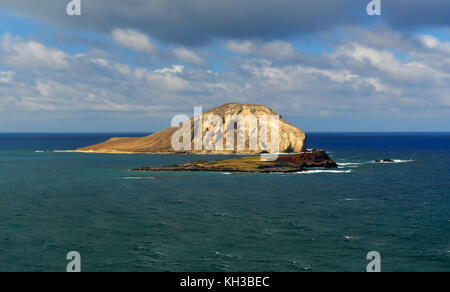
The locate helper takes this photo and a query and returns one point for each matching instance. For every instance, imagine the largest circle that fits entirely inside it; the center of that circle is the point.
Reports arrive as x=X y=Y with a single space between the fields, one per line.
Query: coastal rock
x=310 y=159
x=291 y=139
x=284 y=164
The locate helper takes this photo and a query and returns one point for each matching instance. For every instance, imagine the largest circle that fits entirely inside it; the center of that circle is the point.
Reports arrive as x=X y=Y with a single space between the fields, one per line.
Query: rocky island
x=291 y=139
x=284 y=164
x=243 y=128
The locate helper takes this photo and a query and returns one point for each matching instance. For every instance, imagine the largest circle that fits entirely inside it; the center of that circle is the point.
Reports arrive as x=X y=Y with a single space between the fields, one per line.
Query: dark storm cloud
x=198 y=21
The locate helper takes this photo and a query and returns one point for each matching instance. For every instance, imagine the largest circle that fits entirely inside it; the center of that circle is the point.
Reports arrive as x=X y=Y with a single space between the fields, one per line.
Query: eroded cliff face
x=230 y=128
x=262 y=129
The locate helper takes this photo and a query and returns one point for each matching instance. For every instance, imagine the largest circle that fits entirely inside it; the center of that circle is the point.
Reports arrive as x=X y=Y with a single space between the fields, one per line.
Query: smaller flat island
x=284 y=164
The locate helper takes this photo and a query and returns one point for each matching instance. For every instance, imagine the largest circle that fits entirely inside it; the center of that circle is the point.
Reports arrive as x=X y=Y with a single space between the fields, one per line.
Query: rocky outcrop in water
x=284 y=164
x=315 y=159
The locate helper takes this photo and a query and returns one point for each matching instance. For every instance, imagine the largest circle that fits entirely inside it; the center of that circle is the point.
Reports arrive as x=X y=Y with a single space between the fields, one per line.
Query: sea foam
x=139 y=178
x=349 y=164
x=316 y=171
x=395 y=161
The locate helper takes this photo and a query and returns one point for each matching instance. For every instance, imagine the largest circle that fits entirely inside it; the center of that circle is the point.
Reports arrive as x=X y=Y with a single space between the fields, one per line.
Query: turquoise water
x=52 y=203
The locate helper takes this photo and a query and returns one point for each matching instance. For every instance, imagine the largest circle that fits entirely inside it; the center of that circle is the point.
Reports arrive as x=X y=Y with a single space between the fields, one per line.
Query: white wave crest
x=349 y=164
x=224 y=254
x=139 y=178
x=395 y=161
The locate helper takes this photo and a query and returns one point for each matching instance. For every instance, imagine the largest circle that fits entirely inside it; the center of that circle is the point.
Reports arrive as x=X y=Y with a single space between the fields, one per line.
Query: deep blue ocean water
x=53 y=202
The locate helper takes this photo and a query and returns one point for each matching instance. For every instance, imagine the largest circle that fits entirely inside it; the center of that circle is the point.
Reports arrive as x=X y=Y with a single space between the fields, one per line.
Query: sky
x=130 y=66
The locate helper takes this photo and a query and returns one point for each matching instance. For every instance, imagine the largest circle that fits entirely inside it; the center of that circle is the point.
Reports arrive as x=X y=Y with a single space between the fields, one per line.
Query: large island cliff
x=291 y=139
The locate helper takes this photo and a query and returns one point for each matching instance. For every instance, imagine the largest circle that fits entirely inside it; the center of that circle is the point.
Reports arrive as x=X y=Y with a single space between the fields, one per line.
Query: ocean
x=54 y=202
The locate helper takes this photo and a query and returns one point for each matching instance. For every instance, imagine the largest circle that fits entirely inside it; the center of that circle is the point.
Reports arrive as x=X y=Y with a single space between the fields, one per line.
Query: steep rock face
x=310 y=159
x=290 y=138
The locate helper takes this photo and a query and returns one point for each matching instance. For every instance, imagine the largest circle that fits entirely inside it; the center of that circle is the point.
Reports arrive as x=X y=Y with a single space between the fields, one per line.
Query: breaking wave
x=395 y=161
x=139 y=178
x=347 y=200
x=349 y=164
x=357 y=164
x=316 y=171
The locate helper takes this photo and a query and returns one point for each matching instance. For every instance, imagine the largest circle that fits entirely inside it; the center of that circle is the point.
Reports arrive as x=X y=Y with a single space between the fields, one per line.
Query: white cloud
x=388 y=63
x=123 y=68
x=16 y=52
x=278 y=50
x=274 y=50
x=100 y=61
x=134 y=40
x=358 y=78
x=174 y=69
x=6 y=77
x=189 y=57
x=45 y=89
x=241 y=47
x=167 y=80
x=169 y=83
x=432 y=42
